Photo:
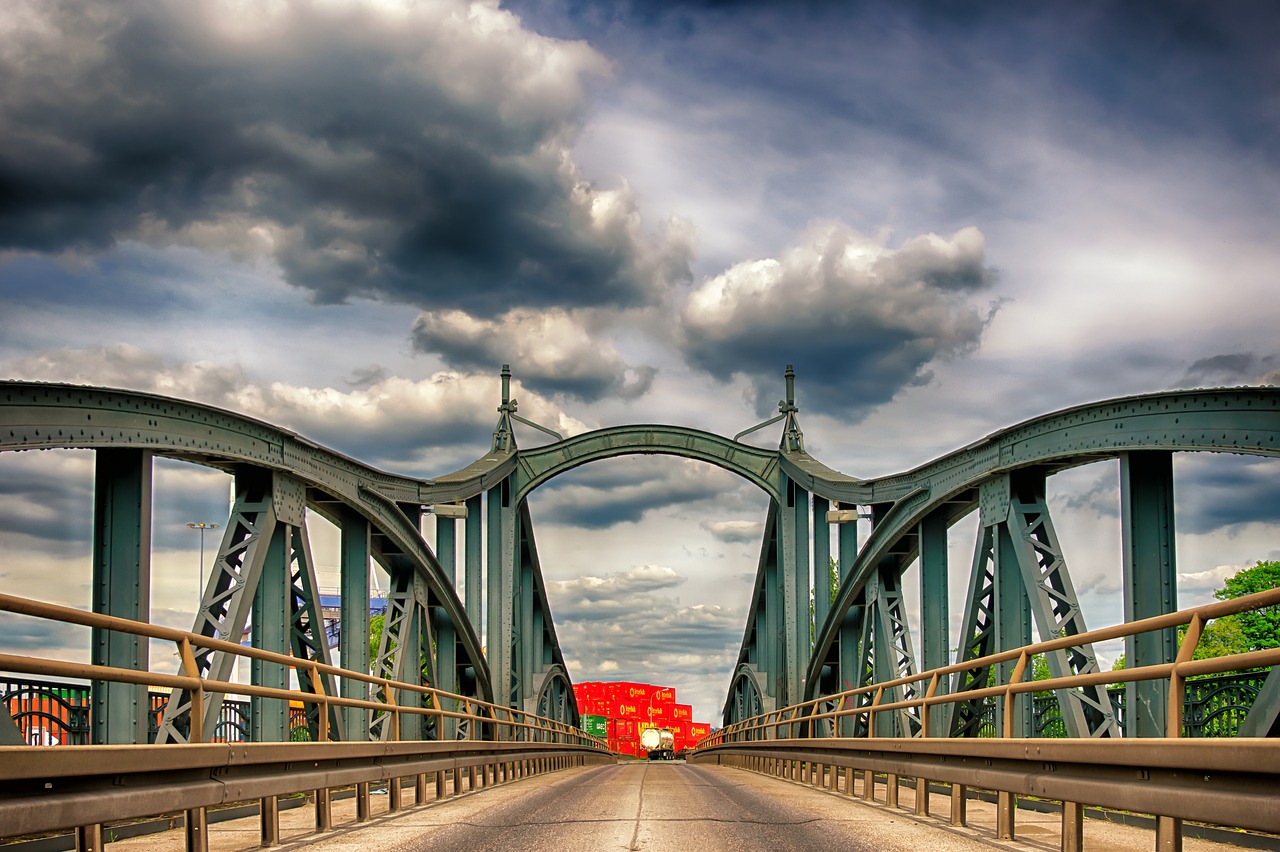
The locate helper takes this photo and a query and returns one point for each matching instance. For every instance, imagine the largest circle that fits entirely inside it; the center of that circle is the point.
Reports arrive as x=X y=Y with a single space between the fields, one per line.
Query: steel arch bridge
x=264 y=575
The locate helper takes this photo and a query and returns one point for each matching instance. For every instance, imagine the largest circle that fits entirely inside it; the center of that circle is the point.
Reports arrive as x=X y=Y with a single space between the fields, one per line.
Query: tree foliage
x=1260 y=629
x=1245 y=631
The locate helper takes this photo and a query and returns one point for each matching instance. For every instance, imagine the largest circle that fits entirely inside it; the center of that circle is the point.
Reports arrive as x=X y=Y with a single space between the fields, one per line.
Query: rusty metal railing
x=798 y=720
x=508 y=723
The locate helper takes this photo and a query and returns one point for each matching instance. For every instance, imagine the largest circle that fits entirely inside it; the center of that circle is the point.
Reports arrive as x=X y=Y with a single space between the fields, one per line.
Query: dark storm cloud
x=24 y=634
x=1217 y=492
x=417 y=155
x=860 y=321
x=48 y=495
x=1230 y=369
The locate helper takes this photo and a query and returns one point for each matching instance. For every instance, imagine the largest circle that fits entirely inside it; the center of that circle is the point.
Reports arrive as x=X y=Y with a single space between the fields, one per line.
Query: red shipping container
x=665 y=694
x=625 y=728
x=628 y=708
x=682 y=712
x=699 y=729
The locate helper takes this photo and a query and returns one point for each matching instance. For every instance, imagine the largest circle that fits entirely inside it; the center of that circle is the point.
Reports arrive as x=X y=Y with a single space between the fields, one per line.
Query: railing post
x=1006 y=804
x=891 y=790
x=959 y=804
x=362 y=801
x=89 y=838
x=269 y=820
x=395 y=800
x=1072 y=827
x=1168 y=834
x=197 y=830
x=922 y=796
x=420 y=789
x=324 y=809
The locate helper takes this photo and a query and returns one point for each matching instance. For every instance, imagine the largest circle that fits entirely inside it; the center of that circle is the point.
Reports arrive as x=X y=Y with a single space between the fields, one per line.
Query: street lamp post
x=202 y=526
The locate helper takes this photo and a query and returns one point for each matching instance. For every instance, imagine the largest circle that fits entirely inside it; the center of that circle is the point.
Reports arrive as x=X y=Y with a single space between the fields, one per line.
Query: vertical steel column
x=771 y=658
x=1013 y=625
x=446 y=642
x=821 y=561
x=1150 y=581
x=527 y=688
x=121 y=588
x=269 y=717
x=934 y=609
x=501 y=592
x=793 y=559
x=353 y=641
x=851 y=621
x=472 y=556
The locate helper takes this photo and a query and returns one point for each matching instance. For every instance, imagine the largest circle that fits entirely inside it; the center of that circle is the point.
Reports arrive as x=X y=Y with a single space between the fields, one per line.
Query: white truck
x=660 y=743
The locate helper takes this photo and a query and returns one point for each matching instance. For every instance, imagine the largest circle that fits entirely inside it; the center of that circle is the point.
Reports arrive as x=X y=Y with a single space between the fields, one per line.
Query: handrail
x=472 y=709
x=799 y=715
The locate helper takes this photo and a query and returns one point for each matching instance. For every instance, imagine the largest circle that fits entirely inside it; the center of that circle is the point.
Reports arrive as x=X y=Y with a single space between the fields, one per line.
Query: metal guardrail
x=1233 y=782
x=798 y=720
x=83 y=786
x=507 y=722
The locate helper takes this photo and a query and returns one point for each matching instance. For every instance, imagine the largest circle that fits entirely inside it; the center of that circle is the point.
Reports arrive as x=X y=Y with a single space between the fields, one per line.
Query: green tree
x=1260 y=628
x=375 y=635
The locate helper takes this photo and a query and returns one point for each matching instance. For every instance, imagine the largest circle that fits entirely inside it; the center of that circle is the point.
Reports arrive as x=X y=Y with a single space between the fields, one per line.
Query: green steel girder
x=1236 y=420
x=39 y=415
x=1240 y=420
x=555 y=698
x=542 y=654
x=746 y=697
x=121 y=588
x=536 y=466
x=761 y=641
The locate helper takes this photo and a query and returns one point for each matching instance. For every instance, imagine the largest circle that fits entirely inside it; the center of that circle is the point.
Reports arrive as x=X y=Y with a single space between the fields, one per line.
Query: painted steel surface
x=935 y=494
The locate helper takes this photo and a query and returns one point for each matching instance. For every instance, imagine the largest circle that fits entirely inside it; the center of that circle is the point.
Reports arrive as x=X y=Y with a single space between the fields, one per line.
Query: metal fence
x=57 y=713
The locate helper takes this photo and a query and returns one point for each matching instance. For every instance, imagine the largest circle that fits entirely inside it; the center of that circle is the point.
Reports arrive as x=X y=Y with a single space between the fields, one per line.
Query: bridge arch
x=537 y=466
x=288 y=472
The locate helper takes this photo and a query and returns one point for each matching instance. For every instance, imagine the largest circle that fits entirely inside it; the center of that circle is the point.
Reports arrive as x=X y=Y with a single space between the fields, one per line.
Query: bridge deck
x=640 y=806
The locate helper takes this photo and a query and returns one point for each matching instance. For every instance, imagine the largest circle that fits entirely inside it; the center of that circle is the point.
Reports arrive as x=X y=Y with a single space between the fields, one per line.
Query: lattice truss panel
x=406 y=647
x=268 y=510
x=1016 y=528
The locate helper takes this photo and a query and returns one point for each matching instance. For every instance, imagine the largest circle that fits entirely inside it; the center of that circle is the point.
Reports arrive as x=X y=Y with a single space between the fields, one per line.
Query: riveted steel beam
x=37 y=415
x=1239 y=420
x=538 y=465
x=353 y=641
x=228 y=596
x=1150 y=581
x=122 y=588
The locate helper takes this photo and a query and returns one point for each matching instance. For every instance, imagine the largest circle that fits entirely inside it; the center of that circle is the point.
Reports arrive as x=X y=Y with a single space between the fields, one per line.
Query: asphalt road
x=647 y=806
x=655 y=807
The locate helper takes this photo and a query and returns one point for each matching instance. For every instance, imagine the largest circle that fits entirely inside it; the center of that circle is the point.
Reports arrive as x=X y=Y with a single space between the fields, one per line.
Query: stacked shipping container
x=623 y=710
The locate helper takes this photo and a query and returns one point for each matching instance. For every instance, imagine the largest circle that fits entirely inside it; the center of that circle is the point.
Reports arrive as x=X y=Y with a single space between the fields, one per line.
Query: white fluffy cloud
x=859 y=319
x=444 y=418
x=555 y=350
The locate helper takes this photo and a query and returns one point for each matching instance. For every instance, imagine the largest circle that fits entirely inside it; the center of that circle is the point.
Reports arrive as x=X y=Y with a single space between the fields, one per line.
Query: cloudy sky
x=343 y=218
